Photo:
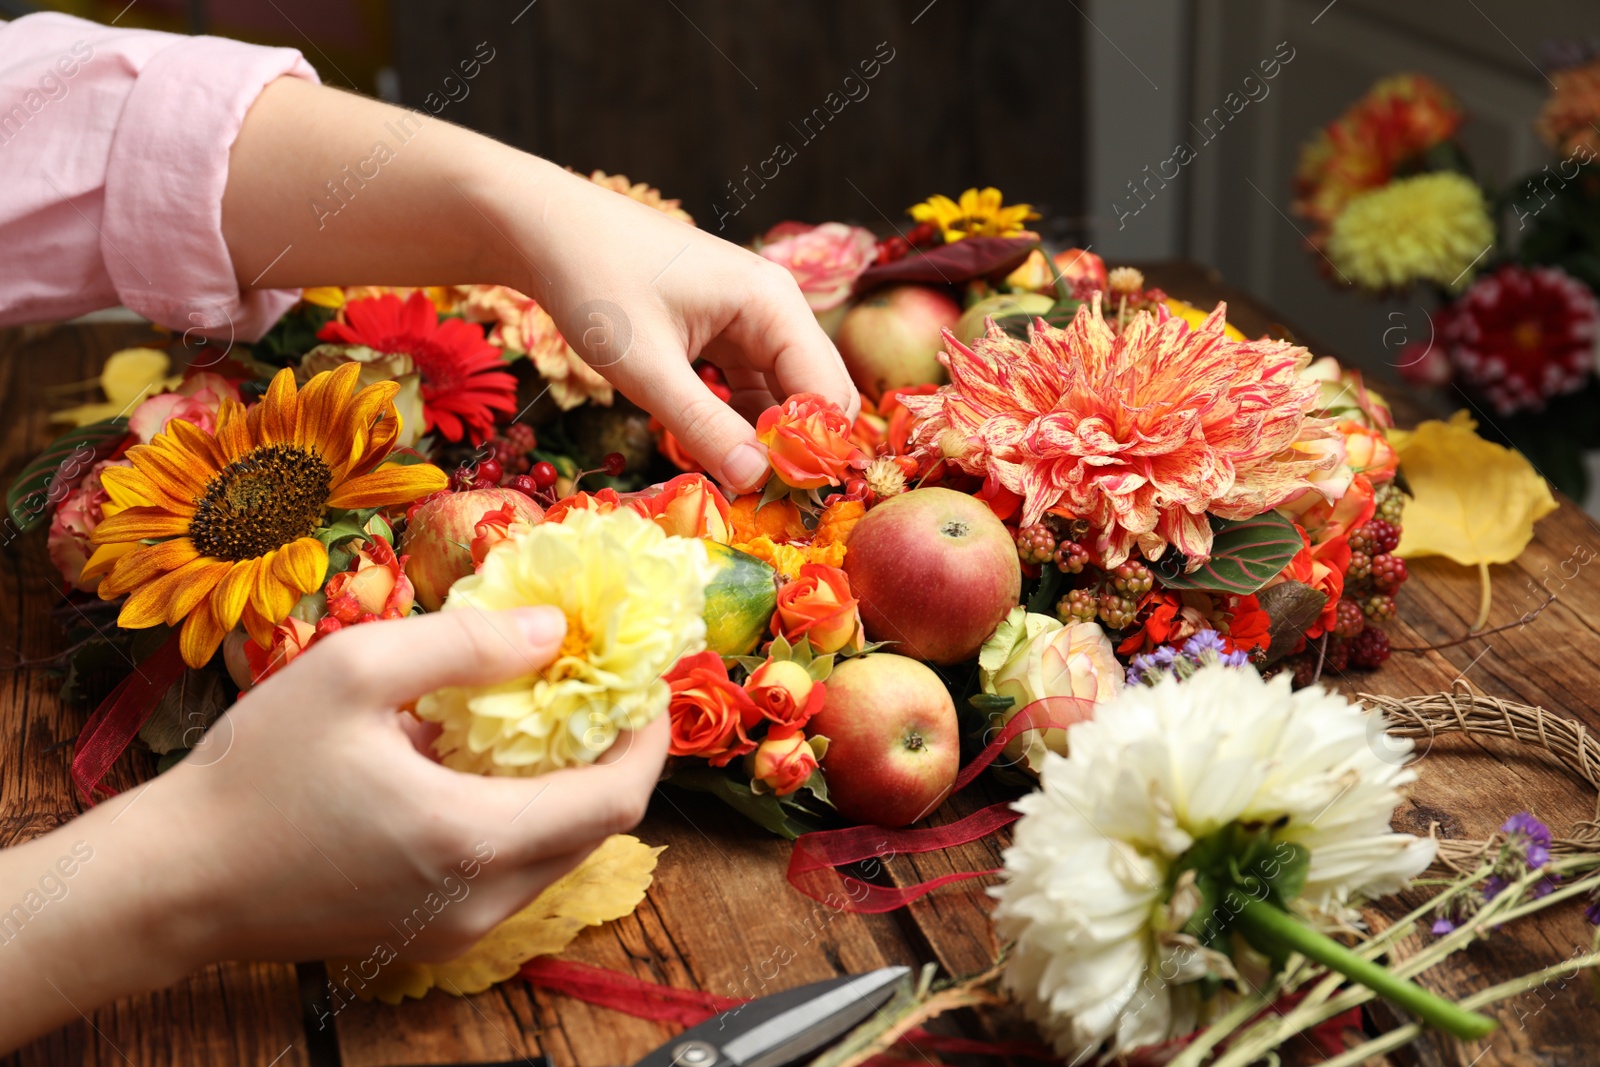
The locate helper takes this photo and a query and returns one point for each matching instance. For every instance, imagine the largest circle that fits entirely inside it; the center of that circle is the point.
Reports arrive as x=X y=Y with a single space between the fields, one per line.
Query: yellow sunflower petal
x=148 y=605
x=128 y=488
x=142 y=563
x=139 y=524
x=232 y=593
x=176 y=473
x=323 y=404
x=302 y=564
x=278 y=409
x=204 y=446
x=259 y=629
x=270 y=595
x=201 y=636
x=200 y=580
x=233 y=430
x=389 y=485
x=105 y=557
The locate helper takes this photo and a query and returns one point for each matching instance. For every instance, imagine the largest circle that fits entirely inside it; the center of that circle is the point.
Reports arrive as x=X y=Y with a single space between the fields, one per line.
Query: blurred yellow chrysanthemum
x=648 y=195
x=1432 y=227
x=979 y=213
x=633 y=598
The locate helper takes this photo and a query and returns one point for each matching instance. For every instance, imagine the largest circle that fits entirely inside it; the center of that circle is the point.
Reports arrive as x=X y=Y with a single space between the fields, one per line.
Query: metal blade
x=783 y=1027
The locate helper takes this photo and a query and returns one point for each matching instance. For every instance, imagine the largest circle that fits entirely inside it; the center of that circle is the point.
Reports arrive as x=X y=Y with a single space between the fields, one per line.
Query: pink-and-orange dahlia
x=464 y=380
x=1139 y=434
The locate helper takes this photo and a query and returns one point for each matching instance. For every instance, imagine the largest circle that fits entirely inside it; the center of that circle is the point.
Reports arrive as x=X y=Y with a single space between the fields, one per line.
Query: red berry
x=1350 y=619
x=1338 y=657
x=855 y=488
x=544 y=474
x=1388 y=571
x=327 y=625
x=614 y=463
x=710 y=373
x=484 y=483
x=490 y=470
x=520 y=436
x=1071 y=557
x=1036 y=543
x=525 y=484
x=1369 y=648
x=1378 y=607
x=1132 y=579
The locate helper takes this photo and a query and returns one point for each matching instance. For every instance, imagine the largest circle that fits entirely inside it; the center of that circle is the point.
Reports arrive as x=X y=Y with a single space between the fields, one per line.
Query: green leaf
x=817 y=786
x=46 y=481
x=1292 y=606
x=775 y=489
x=820 y=668
x=1246 y=554
x=990 y=703
x=1045 y=595
x=763 y=809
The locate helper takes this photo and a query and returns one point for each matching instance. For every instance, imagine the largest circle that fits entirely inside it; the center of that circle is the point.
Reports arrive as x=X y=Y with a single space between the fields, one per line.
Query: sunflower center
x=263 y=500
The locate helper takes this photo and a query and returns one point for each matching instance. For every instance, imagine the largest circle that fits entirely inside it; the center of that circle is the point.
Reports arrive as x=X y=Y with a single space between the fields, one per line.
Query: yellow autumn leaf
x=1473 y=501
x=607 y=885
x=128 y=377
x=1194 y=316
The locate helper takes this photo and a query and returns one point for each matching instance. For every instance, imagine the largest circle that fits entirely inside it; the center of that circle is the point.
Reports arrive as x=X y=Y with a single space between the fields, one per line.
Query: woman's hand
x=307 y=825
x=637 y=294
x=640 y=296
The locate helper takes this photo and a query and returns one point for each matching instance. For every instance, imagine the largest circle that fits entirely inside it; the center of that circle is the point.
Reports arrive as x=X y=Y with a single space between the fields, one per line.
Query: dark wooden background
x=685 y=94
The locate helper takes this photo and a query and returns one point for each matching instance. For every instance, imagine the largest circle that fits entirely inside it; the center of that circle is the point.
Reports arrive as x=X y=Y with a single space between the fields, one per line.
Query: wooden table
x=720 y=910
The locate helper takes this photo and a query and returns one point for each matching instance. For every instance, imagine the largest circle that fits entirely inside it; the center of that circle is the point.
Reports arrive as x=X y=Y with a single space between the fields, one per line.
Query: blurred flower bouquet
x=1394 y=206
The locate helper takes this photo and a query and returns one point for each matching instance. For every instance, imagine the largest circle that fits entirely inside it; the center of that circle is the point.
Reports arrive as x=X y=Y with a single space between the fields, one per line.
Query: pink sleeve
x=113 y=157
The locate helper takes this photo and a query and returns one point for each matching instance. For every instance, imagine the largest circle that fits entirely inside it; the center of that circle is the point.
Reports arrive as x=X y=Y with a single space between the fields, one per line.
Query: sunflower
x=464 y=378
x=217 y=529
x=978 y=214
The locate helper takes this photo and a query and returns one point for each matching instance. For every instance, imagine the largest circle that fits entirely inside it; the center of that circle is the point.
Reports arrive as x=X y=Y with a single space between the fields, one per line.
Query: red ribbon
x=115 y=723
x=690 y=1007
x=813 y=863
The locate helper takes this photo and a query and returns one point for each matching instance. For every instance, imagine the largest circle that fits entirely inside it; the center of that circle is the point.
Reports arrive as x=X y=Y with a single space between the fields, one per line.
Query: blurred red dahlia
x=464 y=380
x=1523 y=335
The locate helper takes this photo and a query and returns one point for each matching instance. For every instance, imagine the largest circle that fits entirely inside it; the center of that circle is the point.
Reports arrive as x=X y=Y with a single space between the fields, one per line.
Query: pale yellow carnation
x=633 y=597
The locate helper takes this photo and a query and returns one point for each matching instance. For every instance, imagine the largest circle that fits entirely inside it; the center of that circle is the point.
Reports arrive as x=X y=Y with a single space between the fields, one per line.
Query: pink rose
x=196 y=401
x=80 y=512
x=826 y=260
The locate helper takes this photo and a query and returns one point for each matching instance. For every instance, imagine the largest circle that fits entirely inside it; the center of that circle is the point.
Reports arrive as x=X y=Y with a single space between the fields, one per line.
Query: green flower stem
x=1273 y=924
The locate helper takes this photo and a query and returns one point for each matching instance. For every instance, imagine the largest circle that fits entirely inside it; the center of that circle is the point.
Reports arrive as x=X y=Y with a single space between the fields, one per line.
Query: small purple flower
x=1204 y=641
x=1592 y=912
x=1543 y=887
x=1445 y=926
x=1531 y=835
x=1493 y=886
x=1236 y=659
x=1165 y=656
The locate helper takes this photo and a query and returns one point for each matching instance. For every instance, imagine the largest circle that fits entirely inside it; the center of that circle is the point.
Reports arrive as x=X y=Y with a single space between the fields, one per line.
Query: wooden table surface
x=720 y=914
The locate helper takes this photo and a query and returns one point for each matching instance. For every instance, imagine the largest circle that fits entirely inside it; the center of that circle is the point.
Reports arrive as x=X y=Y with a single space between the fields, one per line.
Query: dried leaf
x=1292 y=606
x=1472 y=501
x=185 y=711
x=607 y=885
x=129 y=376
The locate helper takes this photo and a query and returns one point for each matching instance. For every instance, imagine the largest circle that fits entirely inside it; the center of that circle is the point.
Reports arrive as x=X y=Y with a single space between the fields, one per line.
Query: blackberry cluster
x=1374 y=577
x=1036 y=543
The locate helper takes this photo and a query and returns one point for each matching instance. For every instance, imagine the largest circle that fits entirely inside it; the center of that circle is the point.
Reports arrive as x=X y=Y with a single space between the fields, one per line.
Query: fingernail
x=542 y=625
x=744 y=466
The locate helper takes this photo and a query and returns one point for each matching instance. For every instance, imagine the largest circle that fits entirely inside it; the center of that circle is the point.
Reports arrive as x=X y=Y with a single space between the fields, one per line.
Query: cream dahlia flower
x=633 y=598
x=1101 y=962
x=1140 y=434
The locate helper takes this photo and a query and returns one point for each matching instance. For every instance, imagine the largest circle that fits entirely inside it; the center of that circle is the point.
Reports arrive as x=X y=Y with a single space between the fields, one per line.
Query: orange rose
x=1368 y=451
x=784 y=693
x=290 y=637
x=375 y=586
x=498 y=525
x=606 y=500
x=710 y=714
x=818 y=605
x=673 y=449
x=690 y=506
x=808 y=441
x=783 y=764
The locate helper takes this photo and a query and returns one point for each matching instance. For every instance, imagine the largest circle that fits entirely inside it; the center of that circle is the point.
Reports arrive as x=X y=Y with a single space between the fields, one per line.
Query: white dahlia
x=1107 y=950
x=633 y=597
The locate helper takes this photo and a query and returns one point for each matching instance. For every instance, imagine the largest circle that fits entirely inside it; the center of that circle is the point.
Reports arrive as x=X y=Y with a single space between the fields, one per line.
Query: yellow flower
x=229 y=518
x=1432 y=227
x=633 y=598
x=978 y=214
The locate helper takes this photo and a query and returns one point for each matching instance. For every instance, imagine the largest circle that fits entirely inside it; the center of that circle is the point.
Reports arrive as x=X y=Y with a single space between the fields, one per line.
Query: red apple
x=893 y=338
x=934 y=571
x=438 y=537
x=893 y=749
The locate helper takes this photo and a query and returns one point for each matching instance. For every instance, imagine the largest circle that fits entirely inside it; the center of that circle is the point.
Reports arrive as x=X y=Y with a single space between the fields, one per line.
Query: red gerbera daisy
x=1523 y=335
x=464 y=380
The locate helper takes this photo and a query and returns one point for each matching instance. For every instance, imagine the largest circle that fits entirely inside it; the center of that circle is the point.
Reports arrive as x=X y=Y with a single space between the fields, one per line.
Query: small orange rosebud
x=808 y=442
x=784 y=764
x=690 y=506
x=784 y=692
